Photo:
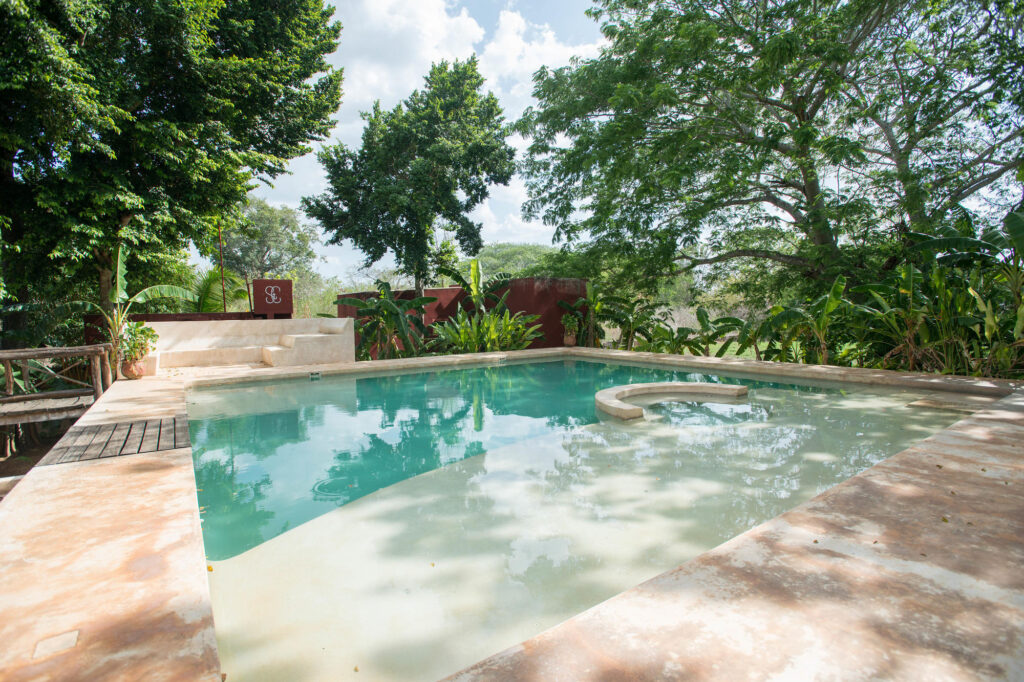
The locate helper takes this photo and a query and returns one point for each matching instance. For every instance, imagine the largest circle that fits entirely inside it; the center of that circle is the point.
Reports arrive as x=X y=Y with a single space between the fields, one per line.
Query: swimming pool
x=409 y=524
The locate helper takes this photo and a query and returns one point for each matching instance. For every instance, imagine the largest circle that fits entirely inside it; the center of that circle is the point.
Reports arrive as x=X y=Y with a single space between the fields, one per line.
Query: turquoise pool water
x=271 y=456
x=402 y=527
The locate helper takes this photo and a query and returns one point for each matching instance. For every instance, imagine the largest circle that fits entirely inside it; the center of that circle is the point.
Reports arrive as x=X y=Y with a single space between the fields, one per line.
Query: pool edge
x=160 y=397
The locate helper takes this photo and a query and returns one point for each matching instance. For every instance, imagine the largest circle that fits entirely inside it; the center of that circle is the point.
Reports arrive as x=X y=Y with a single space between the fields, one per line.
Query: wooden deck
x=44 y=409
x=97 y=441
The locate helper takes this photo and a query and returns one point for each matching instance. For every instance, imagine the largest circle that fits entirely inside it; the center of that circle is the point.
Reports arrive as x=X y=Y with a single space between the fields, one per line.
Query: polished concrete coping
x=609 y=400
x=911 y=568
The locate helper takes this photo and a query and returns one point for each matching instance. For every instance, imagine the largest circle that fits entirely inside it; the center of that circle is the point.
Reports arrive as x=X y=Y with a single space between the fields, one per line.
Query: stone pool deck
x=912 y=569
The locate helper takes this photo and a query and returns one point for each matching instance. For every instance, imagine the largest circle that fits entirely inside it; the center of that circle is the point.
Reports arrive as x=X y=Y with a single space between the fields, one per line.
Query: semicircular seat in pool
x=610 y=400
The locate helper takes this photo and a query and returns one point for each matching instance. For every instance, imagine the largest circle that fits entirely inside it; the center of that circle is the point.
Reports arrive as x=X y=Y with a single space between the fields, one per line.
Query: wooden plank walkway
x=96 y=441
x=44 y=409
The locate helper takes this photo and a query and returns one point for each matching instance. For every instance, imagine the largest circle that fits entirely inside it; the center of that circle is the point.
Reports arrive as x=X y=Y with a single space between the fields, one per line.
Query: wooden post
x=26 y=379
x=105 y=363
x=9 y=377
x=97 y=376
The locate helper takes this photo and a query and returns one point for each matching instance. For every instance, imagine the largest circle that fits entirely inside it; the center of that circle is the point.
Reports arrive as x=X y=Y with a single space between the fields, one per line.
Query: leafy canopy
x=268 y=241
x=141 y=122
x=804 y=136
x=422 y=168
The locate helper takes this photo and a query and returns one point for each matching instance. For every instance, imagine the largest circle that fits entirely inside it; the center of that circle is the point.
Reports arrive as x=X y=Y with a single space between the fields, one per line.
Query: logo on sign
x=272 y=292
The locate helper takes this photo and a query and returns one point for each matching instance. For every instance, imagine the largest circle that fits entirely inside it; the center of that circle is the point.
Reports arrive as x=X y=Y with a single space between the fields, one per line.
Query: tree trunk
x=105 y=267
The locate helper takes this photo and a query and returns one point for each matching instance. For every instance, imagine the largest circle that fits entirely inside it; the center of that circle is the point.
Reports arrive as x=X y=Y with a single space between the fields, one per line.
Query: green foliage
x=590 y=309
x=136 y=341
x=388 y=327
x=777 y=145
x=515 y=259
x=813 y=320
x=211 y=293
x=697 y=340
x=483 y=328
x=483 y=331
x=422 y=168
x=571 y=324
x=144 y=123
x=268 y=241
x=959 y=312
x=116 y=318
x=635 y=317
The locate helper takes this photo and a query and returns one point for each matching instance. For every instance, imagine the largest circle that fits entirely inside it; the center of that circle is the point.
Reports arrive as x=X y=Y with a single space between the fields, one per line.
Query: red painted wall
x=540 y=296
x=443 y=308
x=529 y=295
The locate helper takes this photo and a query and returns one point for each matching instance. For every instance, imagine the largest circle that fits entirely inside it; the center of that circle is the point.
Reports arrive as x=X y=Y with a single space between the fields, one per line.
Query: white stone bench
x=609 y=400
x=233 y=342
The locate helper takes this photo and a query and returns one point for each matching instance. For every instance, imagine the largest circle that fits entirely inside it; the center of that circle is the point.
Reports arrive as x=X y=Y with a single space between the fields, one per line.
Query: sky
x=388 y=46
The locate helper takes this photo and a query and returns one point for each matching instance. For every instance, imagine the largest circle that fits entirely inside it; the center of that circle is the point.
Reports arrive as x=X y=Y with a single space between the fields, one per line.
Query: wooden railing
x=49 y=405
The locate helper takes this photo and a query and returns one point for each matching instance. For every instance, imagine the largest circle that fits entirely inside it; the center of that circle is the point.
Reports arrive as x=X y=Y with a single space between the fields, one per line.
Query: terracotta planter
x=133 y=370
x=568 y=340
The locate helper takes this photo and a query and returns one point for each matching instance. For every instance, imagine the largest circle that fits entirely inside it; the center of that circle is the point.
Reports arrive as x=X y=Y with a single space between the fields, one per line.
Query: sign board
x=272 y=297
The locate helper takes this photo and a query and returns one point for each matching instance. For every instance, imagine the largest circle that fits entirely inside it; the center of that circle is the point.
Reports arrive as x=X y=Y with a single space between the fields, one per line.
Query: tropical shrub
x=590 y=310
x=136 y=341
x=387 y=326
x=116 y=318
x=485 y=331
x=571 y=324
x=480 y=329
x=211 y=292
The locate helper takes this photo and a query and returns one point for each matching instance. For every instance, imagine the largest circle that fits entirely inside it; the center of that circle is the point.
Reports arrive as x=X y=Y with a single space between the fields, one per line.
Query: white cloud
x=516 y=51
x=387 y=47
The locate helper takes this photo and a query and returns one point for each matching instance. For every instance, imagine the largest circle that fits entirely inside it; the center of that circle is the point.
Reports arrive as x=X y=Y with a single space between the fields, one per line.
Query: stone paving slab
x=102 y=573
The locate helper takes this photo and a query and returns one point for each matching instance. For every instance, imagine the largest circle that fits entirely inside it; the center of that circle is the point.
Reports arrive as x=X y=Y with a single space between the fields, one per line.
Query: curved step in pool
x=610 y=400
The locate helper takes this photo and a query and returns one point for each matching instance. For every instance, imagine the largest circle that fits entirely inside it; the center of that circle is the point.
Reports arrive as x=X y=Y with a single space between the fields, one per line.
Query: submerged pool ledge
x=909 y=568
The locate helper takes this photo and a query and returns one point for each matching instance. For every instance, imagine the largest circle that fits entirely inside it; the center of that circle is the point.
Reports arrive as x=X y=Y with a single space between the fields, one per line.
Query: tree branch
x=764 y=254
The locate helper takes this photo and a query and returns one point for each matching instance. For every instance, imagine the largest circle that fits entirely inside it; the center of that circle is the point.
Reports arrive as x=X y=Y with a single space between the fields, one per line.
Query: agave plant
x=388 y=327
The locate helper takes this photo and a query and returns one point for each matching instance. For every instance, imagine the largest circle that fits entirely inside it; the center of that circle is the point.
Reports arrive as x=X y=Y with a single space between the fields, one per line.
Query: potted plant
x=571 y=324
x=136 y=341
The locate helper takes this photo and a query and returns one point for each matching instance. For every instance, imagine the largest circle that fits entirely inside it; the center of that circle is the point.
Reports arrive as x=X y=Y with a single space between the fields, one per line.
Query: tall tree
x=187 y=103
x=714 y=130
x=423 y=166
x=269 y=241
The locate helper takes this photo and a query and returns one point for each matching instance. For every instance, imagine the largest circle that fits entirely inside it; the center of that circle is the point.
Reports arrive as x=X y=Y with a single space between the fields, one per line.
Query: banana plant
x=750 y=336
x=480 y=293
x=388 y=327
x=121 y=304
x=813 y=320
x=634 y=317
x=591 y=310
x=698 y=340
x=897 y=318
